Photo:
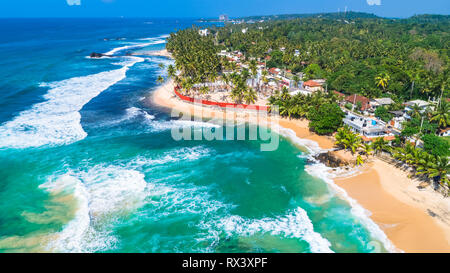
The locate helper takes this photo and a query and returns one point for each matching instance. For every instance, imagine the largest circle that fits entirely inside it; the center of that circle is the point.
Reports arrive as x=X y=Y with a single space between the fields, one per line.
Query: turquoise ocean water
x=87 y=166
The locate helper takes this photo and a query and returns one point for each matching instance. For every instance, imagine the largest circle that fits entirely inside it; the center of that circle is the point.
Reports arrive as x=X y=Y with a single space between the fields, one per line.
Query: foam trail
x=294 y=225
x=56 y=121
x=72 y=234
x=134 y=46
x=104 y=194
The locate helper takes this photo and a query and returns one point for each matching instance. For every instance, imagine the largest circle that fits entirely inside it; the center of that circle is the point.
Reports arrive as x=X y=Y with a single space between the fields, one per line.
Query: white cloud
x=374 y=2
x=73 y=2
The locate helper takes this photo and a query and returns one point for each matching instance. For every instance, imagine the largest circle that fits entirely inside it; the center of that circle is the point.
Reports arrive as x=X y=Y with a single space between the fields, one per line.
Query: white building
x=381 y=102
x=367 y=127
x=203 y=32
x=421 y=103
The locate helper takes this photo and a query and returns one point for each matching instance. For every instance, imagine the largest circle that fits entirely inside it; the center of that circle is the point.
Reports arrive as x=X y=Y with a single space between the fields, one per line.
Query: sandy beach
x=161 y=53
x=414 y=220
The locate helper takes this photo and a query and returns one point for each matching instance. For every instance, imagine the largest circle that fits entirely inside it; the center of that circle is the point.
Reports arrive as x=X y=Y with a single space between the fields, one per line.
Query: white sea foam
x=134 y=46
x=321 y=171
x=177 y=155
x=164 y=36
x=104 y=194
x=295 y=224
x=72 y=234
x=133 y=112
x=312 y=146
x=56 y=121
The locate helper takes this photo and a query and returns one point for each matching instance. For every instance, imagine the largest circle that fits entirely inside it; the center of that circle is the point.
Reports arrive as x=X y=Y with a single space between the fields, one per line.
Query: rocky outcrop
x=98 y=55
x=330 y=159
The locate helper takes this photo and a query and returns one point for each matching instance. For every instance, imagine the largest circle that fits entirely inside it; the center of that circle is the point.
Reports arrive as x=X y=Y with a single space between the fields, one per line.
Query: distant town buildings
x=224 y=18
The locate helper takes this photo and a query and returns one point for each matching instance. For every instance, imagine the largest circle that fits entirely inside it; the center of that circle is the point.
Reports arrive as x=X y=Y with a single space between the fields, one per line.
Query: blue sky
x=212 y=8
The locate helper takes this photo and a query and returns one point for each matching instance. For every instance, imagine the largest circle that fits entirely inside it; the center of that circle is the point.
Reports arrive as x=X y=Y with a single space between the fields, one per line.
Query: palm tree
x=204 y=90
x=367 y=149
x=160 y=80
x=250 y=96
x=296 y=79
x=359 y=160
x=161 y=65
x=379 y=145
x=341 y=136
x=254 y=70
x=348 y=140
x=442 y=114
x=382 y=80
x=285 y=93
x=353 y=142
x=171 y=71
x=440 y=169
x=416 y=111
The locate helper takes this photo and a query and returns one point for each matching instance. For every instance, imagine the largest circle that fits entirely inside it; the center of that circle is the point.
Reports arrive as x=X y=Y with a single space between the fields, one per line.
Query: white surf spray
x=296 y=224
x=134 y=46
x=56 y=121
x=104 y=195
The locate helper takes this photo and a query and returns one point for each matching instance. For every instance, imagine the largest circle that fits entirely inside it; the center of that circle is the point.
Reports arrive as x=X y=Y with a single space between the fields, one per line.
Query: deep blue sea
x=87 y=165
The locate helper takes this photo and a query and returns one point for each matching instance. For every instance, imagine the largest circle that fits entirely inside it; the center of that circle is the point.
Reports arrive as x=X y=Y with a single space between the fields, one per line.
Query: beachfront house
x=365 y=126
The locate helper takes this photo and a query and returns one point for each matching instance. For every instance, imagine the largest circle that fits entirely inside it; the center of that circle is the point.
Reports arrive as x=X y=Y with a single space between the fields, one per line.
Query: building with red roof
x=312 y=86
x=354 y=99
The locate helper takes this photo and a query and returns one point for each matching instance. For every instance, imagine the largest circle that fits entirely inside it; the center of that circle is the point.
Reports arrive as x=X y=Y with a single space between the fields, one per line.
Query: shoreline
x=395 y=205
x=158 y=53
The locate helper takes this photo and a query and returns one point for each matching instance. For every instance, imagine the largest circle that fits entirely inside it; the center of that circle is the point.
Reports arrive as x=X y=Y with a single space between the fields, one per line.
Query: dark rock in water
x=97 y=55
x=331 y=160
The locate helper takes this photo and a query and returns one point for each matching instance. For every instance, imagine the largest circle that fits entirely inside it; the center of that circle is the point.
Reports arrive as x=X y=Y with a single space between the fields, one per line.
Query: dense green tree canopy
x=351 y=52
x=326 y=119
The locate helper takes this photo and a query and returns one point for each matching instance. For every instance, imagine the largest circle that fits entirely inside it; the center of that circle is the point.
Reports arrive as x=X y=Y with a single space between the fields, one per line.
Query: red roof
x=273 y=70
x=311 y=83
x=338 y=93
x=357 y=98
x=386 y=138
